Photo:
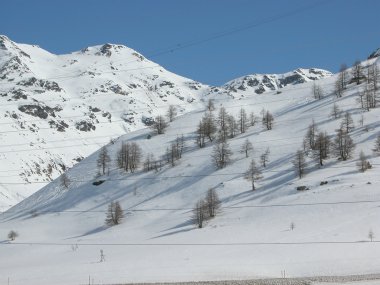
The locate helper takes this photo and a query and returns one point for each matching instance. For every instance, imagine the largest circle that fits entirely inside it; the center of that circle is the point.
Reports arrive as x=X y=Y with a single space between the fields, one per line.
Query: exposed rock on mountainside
x=260 y=83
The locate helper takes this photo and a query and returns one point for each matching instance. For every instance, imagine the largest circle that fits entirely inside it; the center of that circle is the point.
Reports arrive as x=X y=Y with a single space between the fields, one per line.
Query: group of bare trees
x=224 y=127
x=267 y=119
x=115 y=214
x=206 y=208
x=221 y=154
x=175 y=150
x=317 y=91
x=206 y=129
x=159 y=124
x=369 y=97
x=319 y=146
x=342 y=81
x=129 y=156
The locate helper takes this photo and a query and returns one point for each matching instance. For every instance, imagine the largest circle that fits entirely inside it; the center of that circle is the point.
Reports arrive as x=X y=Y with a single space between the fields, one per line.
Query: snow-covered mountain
x=275 y=230
x=374 y=54
x=57 y=109
x=260 y=83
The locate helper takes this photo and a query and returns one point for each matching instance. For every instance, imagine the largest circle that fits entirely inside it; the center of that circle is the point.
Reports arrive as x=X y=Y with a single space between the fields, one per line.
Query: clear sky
x=276 y=35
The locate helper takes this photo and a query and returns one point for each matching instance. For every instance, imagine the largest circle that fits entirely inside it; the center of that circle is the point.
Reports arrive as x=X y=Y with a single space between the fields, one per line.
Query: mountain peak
x=376 y=53
x=109 y=49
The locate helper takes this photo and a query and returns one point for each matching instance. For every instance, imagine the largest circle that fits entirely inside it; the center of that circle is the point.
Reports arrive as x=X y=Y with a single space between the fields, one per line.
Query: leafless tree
x=212 y=202
x=174 y=152
x=114 y=214
x=368 y=98
x=232 y=126
x=347 y=123
x=343 y=145
x=376 y=148
x=299 y=163
x=159 y=125
x=310 y=137
x=374 y=76
x=65 y=181
x=342 y=80
x=335 y=111
x=12 y=235
x=206 y=129
x=209 y=125
x=361 y=120
x=264 y=157
x=129 y=156
x=363 y=164
x=243 y=120
x=247 y=147
x=171 y=113
x=252 y=119
x=322 y=147
x=357 y=72
x=201 y=135
x=253 y=174
x=103 y=160
x=223 y=124
x=221 y=154
x=338 y=90
x=210 y=105
x=180 y=145
x=200 y=213
x=268 y=120
x=317 y=91
x=148 y=164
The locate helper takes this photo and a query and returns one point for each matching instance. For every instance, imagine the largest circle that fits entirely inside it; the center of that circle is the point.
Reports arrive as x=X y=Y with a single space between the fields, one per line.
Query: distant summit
x=376 y=53
x=260 y=83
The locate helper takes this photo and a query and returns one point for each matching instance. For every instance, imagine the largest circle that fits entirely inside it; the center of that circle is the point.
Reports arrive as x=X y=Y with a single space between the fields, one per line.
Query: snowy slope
x=58 y=109
x=61 y=231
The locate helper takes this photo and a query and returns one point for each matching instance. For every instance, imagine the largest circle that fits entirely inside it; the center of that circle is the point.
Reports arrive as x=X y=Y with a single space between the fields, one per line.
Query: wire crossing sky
x=211 y=41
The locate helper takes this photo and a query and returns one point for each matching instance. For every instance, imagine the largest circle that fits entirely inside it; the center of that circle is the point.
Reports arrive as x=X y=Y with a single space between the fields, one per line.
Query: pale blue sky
x=278 y=35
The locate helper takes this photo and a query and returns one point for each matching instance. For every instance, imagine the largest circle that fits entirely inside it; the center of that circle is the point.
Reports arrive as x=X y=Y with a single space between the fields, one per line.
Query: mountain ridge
x=99 y=91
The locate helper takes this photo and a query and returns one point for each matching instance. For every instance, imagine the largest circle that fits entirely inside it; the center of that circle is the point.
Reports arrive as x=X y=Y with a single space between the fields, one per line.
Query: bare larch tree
x=343 y=145
x=299 y=163
x=103 y=160
x=159 y=125
x=247 y=147
x=114 y=214
x=171 y=113
x=221 y=154
x=253 y=174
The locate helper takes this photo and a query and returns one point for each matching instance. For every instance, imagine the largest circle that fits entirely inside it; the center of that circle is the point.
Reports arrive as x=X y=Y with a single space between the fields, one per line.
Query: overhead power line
x=222 y=207
x=374 y=242
x=195 y=42
x=166 y=177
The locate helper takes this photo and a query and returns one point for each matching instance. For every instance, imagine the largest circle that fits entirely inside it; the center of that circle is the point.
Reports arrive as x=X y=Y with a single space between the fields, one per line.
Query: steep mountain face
x=57 y=109
x=260 y=83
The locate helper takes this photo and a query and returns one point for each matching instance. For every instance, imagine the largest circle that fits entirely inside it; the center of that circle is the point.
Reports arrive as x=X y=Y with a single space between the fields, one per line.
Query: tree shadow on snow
x=91 y=232
x=180 y=228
